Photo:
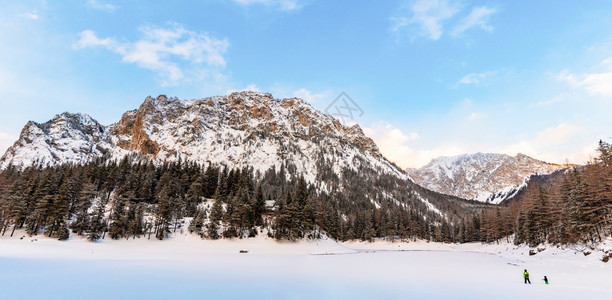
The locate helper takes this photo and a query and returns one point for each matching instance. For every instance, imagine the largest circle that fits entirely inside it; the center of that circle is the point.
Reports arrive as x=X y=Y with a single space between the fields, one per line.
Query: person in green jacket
x=526 y=276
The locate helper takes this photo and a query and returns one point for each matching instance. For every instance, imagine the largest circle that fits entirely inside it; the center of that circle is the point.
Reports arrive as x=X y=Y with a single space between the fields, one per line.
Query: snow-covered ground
x=186 y=267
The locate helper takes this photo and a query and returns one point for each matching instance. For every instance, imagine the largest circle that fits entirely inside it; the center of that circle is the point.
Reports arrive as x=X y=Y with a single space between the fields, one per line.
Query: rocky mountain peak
x=243 y=128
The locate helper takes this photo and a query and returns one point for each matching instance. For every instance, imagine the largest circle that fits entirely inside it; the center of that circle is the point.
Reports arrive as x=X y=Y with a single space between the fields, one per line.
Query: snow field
x=186 y=267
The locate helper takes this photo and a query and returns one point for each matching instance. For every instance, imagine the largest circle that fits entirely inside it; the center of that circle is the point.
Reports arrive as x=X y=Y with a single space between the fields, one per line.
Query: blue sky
x=434 y=78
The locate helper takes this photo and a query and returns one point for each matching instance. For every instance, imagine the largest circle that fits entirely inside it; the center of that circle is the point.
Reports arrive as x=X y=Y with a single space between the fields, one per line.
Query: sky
x=430 y=78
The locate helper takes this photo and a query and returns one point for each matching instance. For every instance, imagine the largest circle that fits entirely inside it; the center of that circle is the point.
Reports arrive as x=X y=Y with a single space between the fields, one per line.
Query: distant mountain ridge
x=486 y=177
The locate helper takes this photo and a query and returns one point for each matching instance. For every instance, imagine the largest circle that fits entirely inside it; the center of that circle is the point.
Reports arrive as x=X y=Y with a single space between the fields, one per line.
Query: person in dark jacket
x=545 y=280
x=526 y=276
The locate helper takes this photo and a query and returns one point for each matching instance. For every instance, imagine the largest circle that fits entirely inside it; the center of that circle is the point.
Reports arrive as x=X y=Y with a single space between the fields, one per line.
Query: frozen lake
x=102 y=271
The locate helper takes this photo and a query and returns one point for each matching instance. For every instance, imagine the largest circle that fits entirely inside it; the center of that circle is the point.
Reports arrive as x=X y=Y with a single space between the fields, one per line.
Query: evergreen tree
x=197 y=223
x=118 y=225
x=216 y=215
x=163 y=215
x=97 y=225
x=63 y=233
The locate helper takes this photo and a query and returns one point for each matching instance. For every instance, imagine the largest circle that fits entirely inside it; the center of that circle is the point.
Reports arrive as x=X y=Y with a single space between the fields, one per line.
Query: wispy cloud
x=553 y=100
x=479 y=17
x=284 y=5
x=431 y=19
x=476 y=78
x=592 y=83
x=475 y=116
x=428 y=15
x=32 y=16
x=95 y=4
x=159 y=49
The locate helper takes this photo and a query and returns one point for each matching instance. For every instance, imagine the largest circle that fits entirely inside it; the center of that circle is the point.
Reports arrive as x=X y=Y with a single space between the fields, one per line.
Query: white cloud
x=553 y=100
x=429 y=15
x=607 y=61
x=395 y=144
x=32 y=16
x=557 y=135
x=88 y=38
x=159 y=48
x=554 y=144
x=476 y=78
x=430 y=18
x=95 y=4
x=284 y=5
x=479 y=17
x=592 y=83
x=475 y=116
x=600 y=83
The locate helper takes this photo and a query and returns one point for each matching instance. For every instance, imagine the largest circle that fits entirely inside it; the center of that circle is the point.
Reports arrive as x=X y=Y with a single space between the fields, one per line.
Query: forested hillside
x=135 y=199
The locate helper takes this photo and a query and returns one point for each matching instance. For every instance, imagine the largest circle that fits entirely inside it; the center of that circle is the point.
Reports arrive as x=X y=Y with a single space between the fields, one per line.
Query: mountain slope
x=486 y=177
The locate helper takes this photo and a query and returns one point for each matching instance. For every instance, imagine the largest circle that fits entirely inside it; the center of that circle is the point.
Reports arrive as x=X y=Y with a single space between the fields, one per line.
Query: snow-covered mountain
x=246 y=128
x=486 y=177
x=251 y=129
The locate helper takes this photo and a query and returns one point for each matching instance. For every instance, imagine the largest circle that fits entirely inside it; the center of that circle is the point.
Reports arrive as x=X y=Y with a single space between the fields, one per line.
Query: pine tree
x=63 y=233
x=97 y=225
x=118 y=218
x=211 y=177
x=163 y=215
x=197 y=223
x=216 y=215
x=135 y=220
x=194 y=195
x=259 y=206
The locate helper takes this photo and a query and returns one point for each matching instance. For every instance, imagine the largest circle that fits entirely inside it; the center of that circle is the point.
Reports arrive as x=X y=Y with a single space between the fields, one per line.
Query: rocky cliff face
x=485 y=177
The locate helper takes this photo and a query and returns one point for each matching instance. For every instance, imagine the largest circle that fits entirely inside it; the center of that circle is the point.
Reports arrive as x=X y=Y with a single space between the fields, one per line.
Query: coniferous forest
x=134 y=198
x=130 y=199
